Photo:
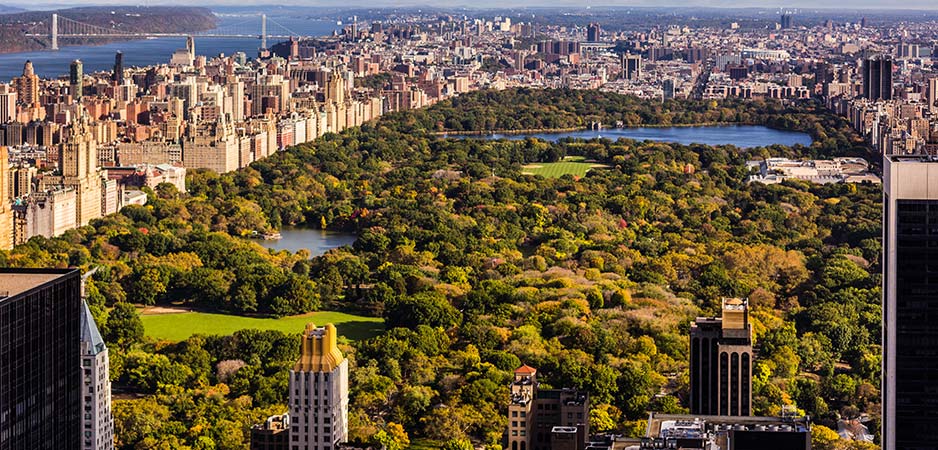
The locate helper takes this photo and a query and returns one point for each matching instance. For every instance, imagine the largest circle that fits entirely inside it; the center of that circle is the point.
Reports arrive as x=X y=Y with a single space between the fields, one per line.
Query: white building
x=97 y=423
x=319 y=392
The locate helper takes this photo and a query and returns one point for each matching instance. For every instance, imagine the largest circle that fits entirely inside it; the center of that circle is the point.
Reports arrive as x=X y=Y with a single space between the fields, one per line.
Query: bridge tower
x=55 y=31
x=263 y=31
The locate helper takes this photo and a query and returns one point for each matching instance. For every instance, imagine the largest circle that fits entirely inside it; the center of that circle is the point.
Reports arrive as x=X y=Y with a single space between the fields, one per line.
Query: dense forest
x=477 y=268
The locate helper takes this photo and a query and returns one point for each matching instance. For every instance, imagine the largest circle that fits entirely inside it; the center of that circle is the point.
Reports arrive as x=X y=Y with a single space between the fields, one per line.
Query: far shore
x=574 y=129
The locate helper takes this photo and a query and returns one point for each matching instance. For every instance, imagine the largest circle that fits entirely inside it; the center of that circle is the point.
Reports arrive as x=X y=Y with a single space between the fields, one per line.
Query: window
x=514 y=414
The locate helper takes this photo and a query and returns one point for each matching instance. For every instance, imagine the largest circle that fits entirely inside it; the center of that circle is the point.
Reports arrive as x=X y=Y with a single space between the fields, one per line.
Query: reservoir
x=317 y=242
x=145 y=52
x=742 y=136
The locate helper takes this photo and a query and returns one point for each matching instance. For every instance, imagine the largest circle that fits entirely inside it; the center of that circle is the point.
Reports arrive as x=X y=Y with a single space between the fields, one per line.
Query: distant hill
x=7 y=9
x=156 y=19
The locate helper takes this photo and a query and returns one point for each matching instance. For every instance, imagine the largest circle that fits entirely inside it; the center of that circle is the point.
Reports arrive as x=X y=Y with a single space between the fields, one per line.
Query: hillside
x=13 y=27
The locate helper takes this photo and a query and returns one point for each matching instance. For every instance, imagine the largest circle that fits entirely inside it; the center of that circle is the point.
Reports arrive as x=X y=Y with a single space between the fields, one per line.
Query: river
x=742 y=136
x=145 y=52
x=317 y=242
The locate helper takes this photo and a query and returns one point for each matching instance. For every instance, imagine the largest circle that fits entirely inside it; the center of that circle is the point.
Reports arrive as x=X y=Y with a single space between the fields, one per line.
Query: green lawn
x=572 y=165
x=179 y=326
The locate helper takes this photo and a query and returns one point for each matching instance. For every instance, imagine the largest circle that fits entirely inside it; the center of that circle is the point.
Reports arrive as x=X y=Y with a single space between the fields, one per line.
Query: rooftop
x=18 y=281
x=912 y=158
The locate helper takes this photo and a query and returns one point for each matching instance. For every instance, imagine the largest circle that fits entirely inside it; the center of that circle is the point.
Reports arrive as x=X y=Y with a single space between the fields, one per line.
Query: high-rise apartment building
x=118 y=76
x=78 y=164
x=97 y=425
x=40 y=374
x=319 y=392
x=877 y=78
x=7 y=103
x=910 y=339
x=631 y=66
x=75 y=79
x=27 y=86
x=721 y=362
x=593 y=32
x=540 y=418
x=6 y=210
x=932 y=94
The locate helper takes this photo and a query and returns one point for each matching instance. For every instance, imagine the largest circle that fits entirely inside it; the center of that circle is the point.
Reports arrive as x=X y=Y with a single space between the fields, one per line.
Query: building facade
x=721 y=362
x=273 y=434
x=6 y=211
x=910 y=339
x=40 y=375
x=97 y=424
x=319 y=392
x=540 y=418
x=877 y=78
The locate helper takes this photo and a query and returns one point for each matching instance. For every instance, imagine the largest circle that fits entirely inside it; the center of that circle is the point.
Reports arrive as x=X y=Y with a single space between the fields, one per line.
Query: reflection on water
x=317 y=242
x=743 y=136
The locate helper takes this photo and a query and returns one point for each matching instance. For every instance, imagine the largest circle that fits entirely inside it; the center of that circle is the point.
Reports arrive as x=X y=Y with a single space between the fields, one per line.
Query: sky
x=865 y=4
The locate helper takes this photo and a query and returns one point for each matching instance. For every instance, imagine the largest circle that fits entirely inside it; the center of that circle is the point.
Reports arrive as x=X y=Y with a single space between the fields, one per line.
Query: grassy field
x=572 y=165
x=179 y=326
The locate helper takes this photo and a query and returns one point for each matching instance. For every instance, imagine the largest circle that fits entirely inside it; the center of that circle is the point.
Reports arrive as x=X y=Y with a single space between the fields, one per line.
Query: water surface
x=317 y=242
x=743 y=136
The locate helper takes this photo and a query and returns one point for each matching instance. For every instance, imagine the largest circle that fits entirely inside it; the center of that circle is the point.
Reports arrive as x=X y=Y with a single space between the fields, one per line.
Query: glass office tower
x=40 y=378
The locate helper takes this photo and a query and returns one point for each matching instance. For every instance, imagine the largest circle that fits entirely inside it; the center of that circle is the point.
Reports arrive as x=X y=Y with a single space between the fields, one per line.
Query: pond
x=317 y=242
x=742 y=136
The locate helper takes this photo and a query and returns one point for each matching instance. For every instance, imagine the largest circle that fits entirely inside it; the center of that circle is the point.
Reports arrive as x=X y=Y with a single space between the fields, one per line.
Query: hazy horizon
x=929 y=5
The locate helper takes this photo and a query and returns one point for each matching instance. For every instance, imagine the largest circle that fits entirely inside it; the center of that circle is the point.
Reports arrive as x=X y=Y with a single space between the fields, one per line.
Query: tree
x=393 y=437
x=124 y=327
x=823 y=438
x=425 y=308
x=604 y=418
x=458 y=444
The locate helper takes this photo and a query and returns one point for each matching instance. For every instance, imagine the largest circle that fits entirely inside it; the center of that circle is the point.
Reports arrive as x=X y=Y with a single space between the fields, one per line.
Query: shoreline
x=455 y=134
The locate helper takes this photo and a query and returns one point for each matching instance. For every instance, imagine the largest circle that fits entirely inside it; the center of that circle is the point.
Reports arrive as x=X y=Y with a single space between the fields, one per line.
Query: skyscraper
x=6 y=211
x=7 y=103
x=97 y=422
x=932 y=94
x=910 y=339
x=877 y=78
x=631 y=66
x=538 y=418
x=75 y=76
x=118 y=76
x=786 y=21
x=721 y=362
x=78 y=164
x=593 y=32
x=40 y=392
x=319 y=392
x=27 y=86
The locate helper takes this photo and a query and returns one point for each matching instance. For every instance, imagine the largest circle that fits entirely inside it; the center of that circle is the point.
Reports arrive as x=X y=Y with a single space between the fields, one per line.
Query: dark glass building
x=910 y=303
x=721 y=362
x=877 y=78
x=40 y=378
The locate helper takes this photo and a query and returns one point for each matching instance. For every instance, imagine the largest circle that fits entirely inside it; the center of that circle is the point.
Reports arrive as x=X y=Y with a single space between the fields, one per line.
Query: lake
x=743 y=136
x=145 y=52
x=317 y=242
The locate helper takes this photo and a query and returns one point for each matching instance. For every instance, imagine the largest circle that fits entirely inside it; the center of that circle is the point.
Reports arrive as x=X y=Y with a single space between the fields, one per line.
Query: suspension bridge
x=59 y=27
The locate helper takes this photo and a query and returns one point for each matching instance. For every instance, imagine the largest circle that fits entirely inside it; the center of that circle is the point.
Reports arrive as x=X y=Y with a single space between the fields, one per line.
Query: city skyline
x=806 y=6
x=526 y=229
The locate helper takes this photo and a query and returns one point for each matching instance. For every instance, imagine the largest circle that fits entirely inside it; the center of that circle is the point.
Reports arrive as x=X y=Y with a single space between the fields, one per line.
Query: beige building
x=78 y=163
x=47 y=213
x=6 y=212
x=319 y=392
x=212 y=145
